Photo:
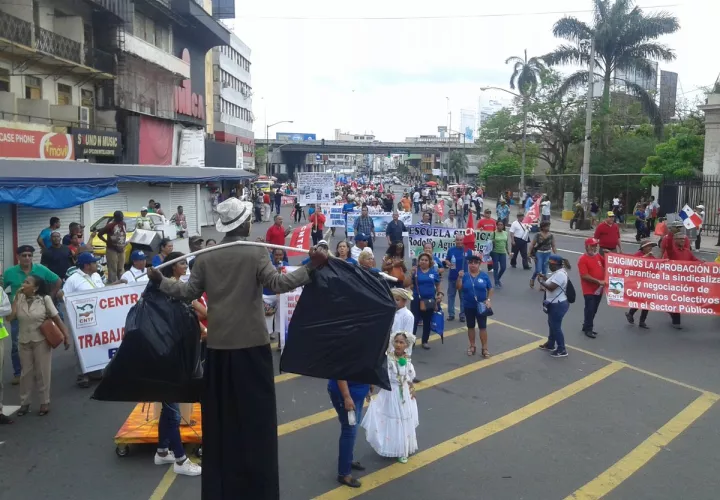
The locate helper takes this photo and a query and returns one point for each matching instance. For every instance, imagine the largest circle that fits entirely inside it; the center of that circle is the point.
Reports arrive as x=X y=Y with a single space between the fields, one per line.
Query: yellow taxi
x=264 y=185
x=130 y=221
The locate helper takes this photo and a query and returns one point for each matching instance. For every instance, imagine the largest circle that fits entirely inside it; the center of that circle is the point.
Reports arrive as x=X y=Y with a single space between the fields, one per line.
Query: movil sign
x=186 y=101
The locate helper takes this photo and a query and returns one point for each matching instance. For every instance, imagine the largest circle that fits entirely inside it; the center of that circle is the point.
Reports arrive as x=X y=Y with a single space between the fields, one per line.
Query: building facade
x=232 y=100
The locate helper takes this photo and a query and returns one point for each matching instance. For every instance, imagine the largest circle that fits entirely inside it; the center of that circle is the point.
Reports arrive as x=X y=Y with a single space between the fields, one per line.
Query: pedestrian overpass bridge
x=375 y=147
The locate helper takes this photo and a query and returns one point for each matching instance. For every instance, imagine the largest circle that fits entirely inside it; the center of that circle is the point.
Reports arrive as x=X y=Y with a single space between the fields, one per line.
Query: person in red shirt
x=608 y=235
x=276 y=233
x=487 y=223
x=266 y=206
x=317 y=219
x=667 y=241
x=646 y=251
x=679 y=250
x=591 y=267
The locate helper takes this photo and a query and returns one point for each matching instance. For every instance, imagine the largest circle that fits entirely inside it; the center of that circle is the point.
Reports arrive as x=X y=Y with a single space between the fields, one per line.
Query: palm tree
x=457 y=165
x=624 y=39
x=526 y=78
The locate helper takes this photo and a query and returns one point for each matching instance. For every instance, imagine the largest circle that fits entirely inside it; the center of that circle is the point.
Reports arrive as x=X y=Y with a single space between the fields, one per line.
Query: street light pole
x=267 y=143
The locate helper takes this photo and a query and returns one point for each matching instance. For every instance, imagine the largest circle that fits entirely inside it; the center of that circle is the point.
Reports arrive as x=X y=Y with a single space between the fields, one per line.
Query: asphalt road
x=629 y=415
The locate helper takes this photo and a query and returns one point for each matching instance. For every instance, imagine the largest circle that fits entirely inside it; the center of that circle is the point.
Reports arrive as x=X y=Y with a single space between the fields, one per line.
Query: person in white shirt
x=137 y=273
x=361 y=243
x=545 y=210
x=83 y=279
x=520 y=234
x=556 y=304
x=416 y=201
x=450 y=222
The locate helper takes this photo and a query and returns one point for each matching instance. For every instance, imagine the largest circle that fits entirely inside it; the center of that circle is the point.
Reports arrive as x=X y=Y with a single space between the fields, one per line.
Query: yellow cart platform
x=141 y=427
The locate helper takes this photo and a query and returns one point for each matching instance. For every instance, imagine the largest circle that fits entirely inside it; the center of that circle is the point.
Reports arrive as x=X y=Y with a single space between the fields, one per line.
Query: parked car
x=161 y=224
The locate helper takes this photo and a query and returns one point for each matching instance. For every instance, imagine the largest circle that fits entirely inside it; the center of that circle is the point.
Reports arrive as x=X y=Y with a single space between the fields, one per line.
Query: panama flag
x=689 y=217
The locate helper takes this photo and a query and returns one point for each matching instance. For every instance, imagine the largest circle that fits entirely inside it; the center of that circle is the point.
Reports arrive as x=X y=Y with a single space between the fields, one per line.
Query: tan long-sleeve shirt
x=233 y=279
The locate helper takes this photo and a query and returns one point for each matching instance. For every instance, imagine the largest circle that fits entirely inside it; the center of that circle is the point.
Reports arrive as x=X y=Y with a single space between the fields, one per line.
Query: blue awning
x=63 y=193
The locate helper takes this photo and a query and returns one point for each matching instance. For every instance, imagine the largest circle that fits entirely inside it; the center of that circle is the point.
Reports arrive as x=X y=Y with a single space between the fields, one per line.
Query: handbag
x=481 y=308
x=52 y=333
x=425 y=304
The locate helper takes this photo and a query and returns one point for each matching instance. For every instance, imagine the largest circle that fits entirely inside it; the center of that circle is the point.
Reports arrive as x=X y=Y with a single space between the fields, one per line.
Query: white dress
x=404 y=322
x=391 y=418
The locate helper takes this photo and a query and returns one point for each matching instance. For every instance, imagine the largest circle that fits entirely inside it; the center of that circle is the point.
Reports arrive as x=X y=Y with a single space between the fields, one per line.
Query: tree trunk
x=605 y=112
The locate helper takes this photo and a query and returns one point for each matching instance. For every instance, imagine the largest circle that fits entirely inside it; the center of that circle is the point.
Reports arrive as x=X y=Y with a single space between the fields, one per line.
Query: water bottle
x=452 y=262
x=352 y=417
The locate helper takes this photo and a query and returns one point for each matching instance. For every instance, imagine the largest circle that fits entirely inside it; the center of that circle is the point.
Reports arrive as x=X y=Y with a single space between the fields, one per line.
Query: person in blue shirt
x=348 y=397
x=425 y=285
x=45 y=237
x=476 y=288
x=455 y=261
x=342 y=251
x=436 y=262
x=347 y=209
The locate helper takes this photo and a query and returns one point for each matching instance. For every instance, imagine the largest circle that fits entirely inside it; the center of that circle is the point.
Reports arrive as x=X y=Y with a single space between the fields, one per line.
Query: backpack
x=570 y=292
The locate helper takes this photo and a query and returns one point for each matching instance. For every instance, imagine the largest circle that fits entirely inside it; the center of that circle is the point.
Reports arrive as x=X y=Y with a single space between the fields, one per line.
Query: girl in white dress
x=392 y=416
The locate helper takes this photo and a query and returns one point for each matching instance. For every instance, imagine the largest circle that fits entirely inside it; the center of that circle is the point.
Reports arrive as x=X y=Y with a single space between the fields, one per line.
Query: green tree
x=260 y=158
x=507 y=166
x=624 y=41
x=403 y=170
x=458 y=164
x=680 y=157
x=526 y=74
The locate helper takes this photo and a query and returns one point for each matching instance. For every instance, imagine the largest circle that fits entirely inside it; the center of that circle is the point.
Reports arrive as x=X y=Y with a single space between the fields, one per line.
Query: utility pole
x=585 y=175
x=524 y=147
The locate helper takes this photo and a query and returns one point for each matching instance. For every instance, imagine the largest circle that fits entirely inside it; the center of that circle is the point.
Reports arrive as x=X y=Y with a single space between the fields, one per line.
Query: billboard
x=294 y=137
x=16 y=143
x=632 y=76
x=668 y=94
x=467 y=124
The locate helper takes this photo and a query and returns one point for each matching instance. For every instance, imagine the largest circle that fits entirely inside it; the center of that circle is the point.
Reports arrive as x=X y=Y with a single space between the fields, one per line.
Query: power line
x=436 y=17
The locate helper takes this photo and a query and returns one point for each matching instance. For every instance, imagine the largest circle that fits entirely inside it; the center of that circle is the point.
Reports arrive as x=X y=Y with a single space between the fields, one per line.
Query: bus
x=264 y=185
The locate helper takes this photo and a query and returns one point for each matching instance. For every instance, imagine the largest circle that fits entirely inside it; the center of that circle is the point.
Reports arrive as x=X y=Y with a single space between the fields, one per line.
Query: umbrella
x=431 y=183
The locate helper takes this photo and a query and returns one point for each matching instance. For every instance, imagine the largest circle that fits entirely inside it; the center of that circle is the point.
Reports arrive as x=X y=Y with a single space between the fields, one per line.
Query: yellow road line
x=637 y=458
x=326 y=415
x=450 y=333
x=442 y=450
x=164 y=486
x=610 y=360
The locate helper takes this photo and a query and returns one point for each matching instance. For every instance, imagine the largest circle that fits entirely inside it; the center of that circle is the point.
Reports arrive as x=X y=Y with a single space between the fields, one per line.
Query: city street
x=631 y=414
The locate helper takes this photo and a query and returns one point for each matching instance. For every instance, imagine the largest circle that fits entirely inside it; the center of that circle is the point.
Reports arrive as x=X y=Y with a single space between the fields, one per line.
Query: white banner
x=315 y=187
x=380 y=221
x=96 y=319
x=192 y=148
x=334 y=216
x=286 y=307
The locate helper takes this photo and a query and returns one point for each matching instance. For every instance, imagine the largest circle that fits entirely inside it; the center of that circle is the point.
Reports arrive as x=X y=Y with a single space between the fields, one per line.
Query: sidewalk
x=627 y=233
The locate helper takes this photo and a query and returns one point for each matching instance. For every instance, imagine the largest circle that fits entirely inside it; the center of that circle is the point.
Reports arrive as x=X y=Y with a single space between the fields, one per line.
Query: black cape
x=341 y=326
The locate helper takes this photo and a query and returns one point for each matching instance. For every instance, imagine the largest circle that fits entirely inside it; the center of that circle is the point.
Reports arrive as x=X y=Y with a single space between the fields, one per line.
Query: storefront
x=97 y=146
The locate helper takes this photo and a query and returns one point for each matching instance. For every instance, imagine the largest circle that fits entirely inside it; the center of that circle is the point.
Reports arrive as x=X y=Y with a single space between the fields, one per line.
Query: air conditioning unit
x=84 y=116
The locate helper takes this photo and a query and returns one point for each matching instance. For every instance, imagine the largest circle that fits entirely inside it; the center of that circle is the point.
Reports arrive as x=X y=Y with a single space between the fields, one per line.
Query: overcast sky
x=393 y=77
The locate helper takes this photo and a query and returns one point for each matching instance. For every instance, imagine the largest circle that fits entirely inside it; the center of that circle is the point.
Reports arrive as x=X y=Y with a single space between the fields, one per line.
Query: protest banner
x=300 y=239
x=315 y=187
x=442 y=239
x=670 y=286
x=380 y=221
x=96 y=319
x=288 y=199
x=286 y=307
x=334 y=216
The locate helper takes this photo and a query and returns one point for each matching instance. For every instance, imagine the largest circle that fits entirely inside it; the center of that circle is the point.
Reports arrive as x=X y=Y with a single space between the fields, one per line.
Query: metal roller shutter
x=3 y=265
x=107 y=205
x=185 y=195
x=30 y=221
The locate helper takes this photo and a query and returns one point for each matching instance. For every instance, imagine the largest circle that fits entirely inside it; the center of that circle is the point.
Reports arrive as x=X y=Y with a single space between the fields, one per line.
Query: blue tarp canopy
x=63 y=184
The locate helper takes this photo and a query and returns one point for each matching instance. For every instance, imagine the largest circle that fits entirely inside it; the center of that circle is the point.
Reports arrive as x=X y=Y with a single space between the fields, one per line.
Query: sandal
x=44 y=410
x=24 y=410
x=471 y=350
x=532 y=284
x=485 y=353
x=352 y=482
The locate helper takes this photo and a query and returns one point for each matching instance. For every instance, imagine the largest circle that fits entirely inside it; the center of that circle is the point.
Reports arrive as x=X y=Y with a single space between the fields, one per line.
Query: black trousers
x=675 y=318
x=592 y=302
x=425 y=316
x=258 y=214
x=317 y=236
x=239 y=424
x=643 y=314
x=520 y=248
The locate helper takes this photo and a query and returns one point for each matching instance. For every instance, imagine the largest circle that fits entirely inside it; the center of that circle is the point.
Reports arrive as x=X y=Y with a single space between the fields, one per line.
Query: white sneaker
x=167 y=459
x=188 y=468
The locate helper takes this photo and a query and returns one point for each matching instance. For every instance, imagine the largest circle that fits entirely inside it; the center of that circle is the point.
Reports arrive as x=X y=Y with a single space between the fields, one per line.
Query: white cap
x=323 y=242
x=700 y=207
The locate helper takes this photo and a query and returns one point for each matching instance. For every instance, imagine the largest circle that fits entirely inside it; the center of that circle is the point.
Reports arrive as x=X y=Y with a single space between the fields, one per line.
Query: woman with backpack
x=557 y=288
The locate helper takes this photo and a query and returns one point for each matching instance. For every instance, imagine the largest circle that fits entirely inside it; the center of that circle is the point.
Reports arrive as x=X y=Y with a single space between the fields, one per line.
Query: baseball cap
x=556 y=258
x=677 y=223
x=144 y=209
x=361 y=237
x=195 y=239
x=645 y=243
x=25 y=249
x=138 y=255
x=323 y=242
x=611 y=214
x=86 y=258
x=591 y=242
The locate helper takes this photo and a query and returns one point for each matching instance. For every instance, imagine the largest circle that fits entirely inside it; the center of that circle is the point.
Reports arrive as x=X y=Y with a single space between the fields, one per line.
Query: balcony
x=57 y=45
x=119 y=8
x=100 y=60
x=140 y=48
x=16 y=30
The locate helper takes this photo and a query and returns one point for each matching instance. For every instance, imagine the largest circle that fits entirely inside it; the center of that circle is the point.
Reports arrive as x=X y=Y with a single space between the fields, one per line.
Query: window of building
x=87 y=99
x=33 y=87
x=4 y=80
x=151 y=31
x=64 y=94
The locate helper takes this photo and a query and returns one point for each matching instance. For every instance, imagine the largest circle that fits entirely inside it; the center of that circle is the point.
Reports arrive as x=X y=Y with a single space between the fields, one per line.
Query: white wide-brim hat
x=233 y=213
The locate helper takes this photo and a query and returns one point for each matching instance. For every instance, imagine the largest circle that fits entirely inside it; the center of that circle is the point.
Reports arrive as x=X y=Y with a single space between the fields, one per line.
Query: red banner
x=301 y=239
x=533 y=215
x=16 y=143
x=440 y=209
x=671 y=286
x=156 y=141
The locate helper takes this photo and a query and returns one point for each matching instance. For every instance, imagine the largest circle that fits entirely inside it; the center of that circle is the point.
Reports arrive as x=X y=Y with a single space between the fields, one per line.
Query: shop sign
x=16 y=143
x=248 y=146
x=96 y=143
x=186 y=101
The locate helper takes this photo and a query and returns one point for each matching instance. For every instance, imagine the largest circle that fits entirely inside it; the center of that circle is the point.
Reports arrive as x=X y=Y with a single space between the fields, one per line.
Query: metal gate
x=30 y=221
x=185 y=195
x=705 y=190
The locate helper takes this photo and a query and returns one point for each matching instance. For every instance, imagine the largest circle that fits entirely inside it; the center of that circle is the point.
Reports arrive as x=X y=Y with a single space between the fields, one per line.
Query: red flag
x=469 y=238
x=300 y=239
x=533 y=215
x=381 y=189
x=440 y=208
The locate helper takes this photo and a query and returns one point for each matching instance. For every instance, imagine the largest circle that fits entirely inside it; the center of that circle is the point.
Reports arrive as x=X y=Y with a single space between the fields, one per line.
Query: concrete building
x=347 y=136
x=711 y=161
x=232 y=100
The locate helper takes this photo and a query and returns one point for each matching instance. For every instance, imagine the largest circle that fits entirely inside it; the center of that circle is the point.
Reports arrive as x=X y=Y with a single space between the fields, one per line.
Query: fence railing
x=15 y=29
x=57 y=45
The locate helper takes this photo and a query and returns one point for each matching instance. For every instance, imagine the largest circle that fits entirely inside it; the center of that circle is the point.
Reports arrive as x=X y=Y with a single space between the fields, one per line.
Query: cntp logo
x=56 y=147
x=85 y=312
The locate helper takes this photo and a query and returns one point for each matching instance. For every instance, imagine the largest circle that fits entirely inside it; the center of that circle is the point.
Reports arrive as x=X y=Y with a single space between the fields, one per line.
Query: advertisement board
x=96 y=142
x=16 y=143
x=191 y=152
x=294 y=137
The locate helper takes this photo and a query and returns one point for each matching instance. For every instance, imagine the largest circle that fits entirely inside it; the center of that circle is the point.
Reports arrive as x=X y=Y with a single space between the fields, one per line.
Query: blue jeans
x=14 y=353
x=451 y=298
x=541 y=263
x=417 y=207
x=347 y=432
x=499 y=265
x=556 y=313
x=592 y=302
x=169 y=429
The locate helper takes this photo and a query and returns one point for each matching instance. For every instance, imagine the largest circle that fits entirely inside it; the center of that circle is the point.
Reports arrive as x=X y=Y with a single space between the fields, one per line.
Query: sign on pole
x=315 y=187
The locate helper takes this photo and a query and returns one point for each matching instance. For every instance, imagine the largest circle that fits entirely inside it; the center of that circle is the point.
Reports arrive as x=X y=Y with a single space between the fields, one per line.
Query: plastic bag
x=159 y=358
x=340 y=328
x=437 y=325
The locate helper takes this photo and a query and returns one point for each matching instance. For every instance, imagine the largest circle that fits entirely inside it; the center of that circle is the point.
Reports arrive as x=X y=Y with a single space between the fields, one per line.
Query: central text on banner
x=380 y=221
x=671 y=286
x=334 y=216
x=315 y=187
x=442 y=239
